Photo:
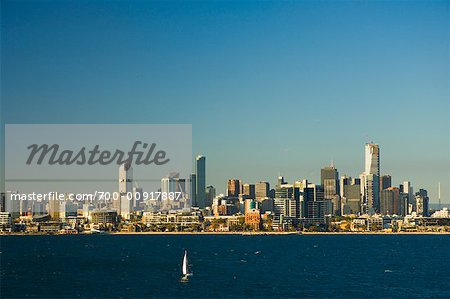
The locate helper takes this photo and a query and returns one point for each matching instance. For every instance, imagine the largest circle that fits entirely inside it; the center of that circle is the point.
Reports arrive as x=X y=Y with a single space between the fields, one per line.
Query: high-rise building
x=371 y=194
x=233 y=188
x=407 y=188
x=329 y=177
x=193 y=189
x=385 y=182
x=249 y=190
x=372 y=159
x=352 y=197
x=54 y=207
x=370 y=179
x=262 y=190
x=210 y=194
x=422 y=202
x=200 y=171
x=390 y=202
x=344 y=181
x=3 y=202
x=123 y=205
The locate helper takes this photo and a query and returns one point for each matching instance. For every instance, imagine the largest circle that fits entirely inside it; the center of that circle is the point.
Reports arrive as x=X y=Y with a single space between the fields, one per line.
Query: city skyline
x=268 y=87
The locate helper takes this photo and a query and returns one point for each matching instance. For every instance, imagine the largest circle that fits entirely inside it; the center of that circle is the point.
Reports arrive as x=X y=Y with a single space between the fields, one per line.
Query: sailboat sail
x=185 y=264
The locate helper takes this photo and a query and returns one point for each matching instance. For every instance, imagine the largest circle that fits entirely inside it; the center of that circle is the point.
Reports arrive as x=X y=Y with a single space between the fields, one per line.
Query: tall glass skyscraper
x=372 y=165
x=200 y=171
x=371 y=178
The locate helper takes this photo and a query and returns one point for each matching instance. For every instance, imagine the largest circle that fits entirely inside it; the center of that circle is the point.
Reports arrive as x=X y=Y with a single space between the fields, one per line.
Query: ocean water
x=140 y=266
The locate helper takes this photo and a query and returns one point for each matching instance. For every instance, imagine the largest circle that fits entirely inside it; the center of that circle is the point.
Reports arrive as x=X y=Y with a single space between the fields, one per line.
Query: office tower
x=193 y=189
x=370 y=179
x=344 y=181
x=122 y=205
x=317 y=210
x=385 y=182
x=372 y=159
x=249 y=190
x=408 y=189
x=233 y=188
x=372 y=194
x=200 y=171
x=352 y=197
x=262 y=190
x=3 y=202
x=287 y=203
x=329 y=177
x=210 y=194
x=390 y=203
x=422 y=202
x=54 y=207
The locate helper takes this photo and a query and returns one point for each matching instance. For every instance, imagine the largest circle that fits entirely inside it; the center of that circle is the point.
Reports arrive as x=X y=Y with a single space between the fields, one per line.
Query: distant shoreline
x=234 y=233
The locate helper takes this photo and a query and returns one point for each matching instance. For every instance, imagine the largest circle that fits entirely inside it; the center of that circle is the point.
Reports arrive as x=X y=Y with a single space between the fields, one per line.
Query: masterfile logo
x=95 y=156
x=80 y=158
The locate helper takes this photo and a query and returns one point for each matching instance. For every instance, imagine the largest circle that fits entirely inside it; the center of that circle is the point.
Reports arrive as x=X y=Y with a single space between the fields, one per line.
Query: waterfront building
x=3 y=202
x=371 y=179
x=253 y=218
x=343 y=182
x=104 y=217
x=407 y=189
x=178 y=218
x=193 y=189
x=5 y=219
x=372 y=159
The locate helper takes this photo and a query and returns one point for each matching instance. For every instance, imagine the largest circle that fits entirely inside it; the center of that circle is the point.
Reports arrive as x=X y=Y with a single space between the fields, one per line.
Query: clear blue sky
x=269 y=87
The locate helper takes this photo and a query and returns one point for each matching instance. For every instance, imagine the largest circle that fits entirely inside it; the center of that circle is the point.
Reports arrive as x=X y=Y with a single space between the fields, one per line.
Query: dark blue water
x=226 y=266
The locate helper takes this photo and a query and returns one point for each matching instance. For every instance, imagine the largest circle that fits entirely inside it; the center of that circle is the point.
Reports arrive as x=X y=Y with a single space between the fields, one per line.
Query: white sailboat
x=185 y=267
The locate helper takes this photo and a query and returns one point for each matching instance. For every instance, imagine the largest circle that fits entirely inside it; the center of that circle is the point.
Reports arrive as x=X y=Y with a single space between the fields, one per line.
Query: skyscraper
x=262 y=190
x=422 y=202
x=385 y=182
x=249 y=190
x=210 y=194
x=122 y=205
x=193 y=189
x=200 y=172
x=233 y=188
x=372 y=159
x=409 y=191
x=370 y=179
